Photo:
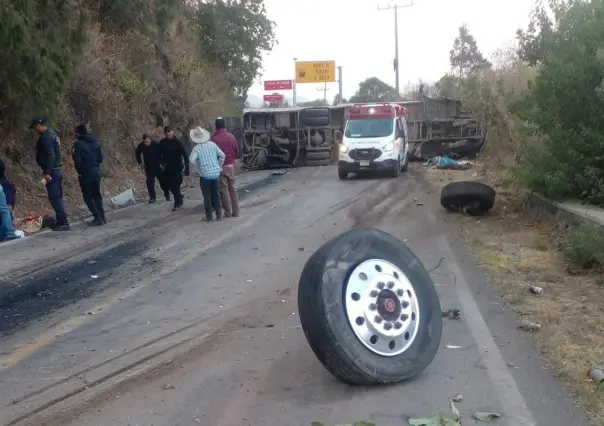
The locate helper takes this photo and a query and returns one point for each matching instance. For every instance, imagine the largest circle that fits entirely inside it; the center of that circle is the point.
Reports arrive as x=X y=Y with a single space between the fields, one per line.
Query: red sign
x=273 y=98
x=278 y=85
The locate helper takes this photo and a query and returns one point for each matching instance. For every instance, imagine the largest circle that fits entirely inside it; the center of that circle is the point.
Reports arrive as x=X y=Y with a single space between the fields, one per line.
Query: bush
x=562 y=153
x=584 y=247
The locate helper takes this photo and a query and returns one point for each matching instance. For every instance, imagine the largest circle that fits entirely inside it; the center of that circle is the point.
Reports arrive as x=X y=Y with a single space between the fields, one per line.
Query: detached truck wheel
x=369 y=308
x=473 y=198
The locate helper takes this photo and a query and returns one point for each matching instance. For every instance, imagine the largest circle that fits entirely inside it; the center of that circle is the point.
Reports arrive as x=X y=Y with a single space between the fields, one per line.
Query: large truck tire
x=342 y=174
x=473 y=198
x=318 y=155
x=369 y=309
x=314 y=117
x=315 y=163
x=405 y=167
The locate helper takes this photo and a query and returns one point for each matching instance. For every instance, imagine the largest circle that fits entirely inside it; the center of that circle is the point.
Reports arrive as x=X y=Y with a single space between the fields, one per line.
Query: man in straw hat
x=207 y=159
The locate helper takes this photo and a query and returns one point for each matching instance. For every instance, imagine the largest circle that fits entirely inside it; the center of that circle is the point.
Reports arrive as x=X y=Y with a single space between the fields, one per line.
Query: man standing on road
x=87 y=157
x=228 y=192
x=208 y=159
x=149 y=151
x=48 y=157
x=172 y=155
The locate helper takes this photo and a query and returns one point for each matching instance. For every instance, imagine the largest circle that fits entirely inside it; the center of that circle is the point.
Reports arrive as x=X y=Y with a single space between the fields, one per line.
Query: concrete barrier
x=564 y=215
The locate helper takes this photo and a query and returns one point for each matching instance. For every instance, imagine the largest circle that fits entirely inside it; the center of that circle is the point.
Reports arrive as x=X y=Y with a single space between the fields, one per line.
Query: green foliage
x=564 y=107
x=233 y=35
x=465 y=56
x=584 y=247
x=337 y=101
x=133 y=86
x=41 y=46
x=373 y=89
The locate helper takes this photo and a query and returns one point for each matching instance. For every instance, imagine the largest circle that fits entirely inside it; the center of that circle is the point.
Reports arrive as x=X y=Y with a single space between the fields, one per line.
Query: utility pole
x=340 y=83
x=294 y=84
x=324 y=90
x=396 y=62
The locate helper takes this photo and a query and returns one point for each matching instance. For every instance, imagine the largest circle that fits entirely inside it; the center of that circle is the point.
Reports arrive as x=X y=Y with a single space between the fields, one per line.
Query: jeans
x=173 y=182
x=54 y=189
x=90 y=184
x=210 y=189
x=228 y=192
x=151 y=176
x=7 y=230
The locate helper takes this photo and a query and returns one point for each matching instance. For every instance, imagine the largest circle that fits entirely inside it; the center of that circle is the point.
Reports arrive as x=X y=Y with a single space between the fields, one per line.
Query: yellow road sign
x=316 y=72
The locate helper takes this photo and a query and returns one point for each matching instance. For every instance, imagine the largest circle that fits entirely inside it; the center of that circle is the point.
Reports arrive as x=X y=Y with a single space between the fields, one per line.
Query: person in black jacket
x=48 y=157
x=87 y=157
x=172 y=156
x=149 y=151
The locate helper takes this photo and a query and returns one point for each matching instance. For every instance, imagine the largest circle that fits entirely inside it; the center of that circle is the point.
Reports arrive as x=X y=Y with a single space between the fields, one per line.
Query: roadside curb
x=562 y=215
x=242 y=192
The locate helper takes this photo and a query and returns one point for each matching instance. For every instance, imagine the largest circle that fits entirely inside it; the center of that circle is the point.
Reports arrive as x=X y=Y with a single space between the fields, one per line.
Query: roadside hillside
x=124 y=69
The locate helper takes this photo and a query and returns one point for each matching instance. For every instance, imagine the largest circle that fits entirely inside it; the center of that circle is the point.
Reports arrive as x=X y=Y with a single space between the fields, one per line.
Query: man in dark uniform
x=148 y=150
x=87 y=158
x=172 y=156
x=48 y=157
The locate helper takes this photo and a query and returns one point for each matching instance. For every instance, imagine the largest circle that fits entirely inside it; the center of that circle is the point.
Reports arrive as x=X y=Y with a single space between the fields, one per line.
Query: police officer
x=48 y=157
x=87 y=158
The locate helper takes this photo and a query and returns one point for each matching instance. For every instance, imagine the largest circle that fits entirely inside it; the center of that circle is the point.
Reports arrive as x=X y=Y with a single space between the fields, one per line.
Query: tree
x=373 y=89
x=564 y=106
x=336 y=100
x=234 y=34
x=465 y=56
x=281 y=104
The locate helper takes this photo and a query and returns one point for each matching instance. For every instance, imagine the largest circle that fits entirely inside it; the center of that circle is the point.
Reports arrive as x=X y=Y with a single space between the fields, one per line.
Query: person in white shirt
x=207 y=159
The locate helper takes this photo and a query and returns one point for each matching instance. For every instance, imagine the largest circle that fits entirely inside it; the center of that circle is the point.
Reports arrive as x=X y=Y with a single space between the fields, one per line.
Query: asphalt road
x=161 y=319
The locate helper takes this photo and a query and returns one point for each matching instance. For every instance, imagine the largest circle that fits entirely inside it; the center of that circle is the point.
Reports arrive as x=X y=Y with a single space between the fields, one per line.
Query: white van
x=375 y=139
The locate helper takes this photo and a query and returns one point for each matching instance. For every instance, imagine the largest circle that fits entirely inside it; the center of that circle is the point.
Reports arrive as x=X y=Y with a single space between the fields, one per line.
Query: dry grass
x=519 y=252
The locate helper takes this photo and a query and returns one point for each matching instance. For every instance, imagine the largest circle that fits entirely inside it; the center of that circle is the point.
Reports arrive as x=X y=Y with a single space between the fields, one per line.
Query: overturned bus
x=437 y=126
x=289 y=137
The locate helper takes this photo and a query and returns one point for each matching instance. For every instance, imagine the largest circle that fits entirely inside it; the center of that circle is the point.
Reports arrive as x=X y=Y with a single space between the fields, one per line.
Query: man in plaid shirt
x=207 y=159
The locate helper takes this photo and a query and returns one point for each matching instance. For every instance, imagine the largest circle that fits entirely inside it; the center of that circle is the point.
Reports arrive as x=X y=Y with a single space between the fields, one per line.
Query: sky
x=360 y=38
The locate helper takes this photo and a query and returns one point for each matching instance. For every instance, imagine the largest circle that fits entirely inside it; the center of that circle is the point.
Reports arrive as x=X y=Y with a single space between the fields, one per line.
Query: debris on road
x=92 y=262
x=596 y=372
x=526 y=325
x=458 y=398
x=536 y=290
x=94 y=276
x=169 y=387
x=452 y=314
x=446 y=163
x=485 y=417
x=453 y=347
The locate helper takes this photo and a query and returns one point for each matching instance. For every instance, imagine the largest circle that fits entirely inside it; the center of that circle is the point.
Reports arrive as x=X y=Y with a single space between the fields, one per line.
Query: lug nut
x=400 y=293
x=378 y=319
x=387 y=326
x=373 y=293
x=397 y=325
x=381 y=285
x=404 y=317
x=373 y=307
x=405 y=304
x=390 y=284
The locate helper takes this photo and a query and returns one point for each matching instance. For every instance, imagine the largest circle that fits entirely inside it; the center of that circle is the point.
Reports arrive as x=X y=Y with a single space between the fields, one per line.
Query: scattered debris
x=452 y=314
x=485 y=417
x=280 y=173
x=596 y=372
x=536 y=290
x=169 y=387
x=453 y=347
x=123 y=199
x=249 y=281
x=94 y=276
x=458 y=398
x=92 y=262
x=446 y=163
x=300 y=248
x=526 y=325
x=512 y=365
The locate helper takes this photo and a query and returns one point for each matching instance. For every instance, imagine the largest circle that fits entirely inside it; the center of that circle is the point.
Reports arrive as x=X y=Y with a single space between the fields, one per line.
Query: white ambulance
x=375 y=139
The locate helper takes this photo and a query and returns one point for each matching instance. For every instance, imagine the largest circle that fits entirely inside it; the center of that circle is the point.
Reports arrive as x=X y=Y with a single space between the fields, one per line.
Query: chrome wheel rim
x=382 y=307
